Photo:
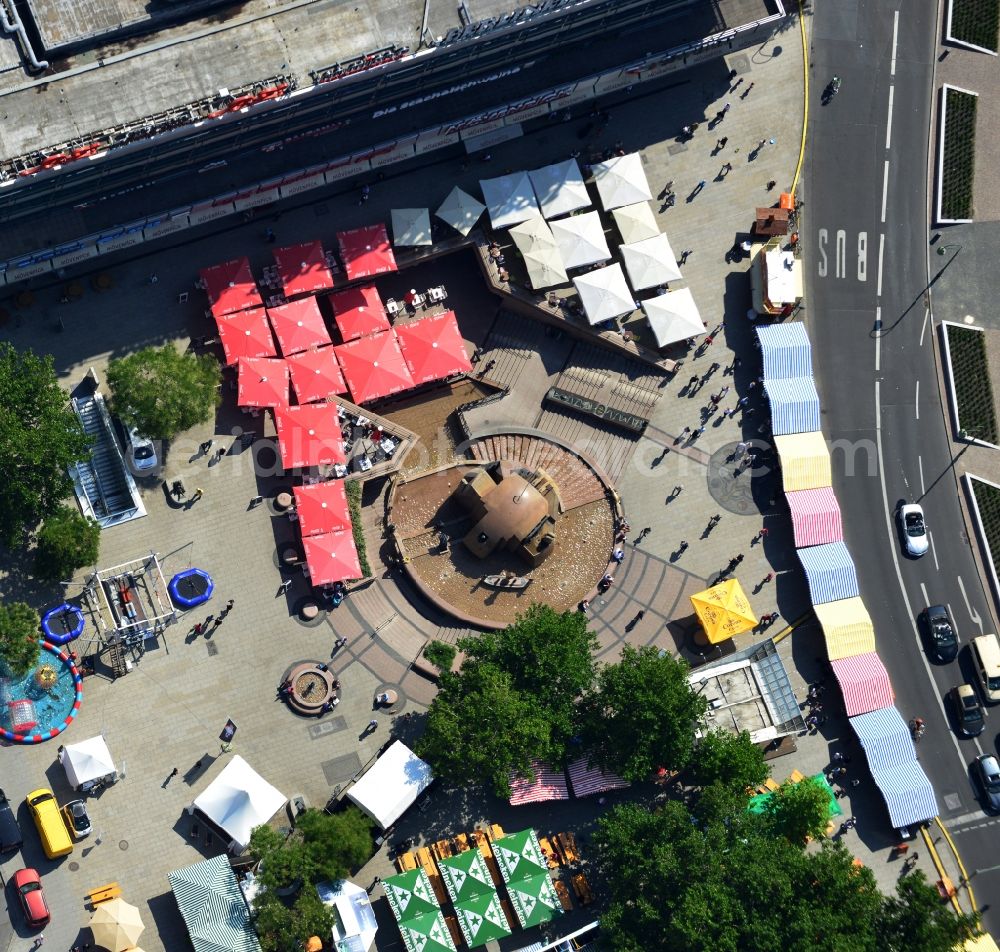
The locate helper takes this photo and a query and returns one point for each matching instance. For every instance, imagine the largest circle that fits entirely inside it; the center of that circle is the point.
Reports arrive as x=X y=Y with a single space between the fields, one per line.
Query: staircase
x=116 y=659
x=102 y=477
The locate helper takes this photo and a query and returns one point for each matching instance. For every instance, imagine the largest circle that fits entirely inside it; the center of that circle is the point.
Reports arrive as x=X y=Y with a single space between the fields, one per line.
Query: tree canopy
x=162 y=391
x=730 y=759
x=40 y=437
x=67 y=541
x=798 y=811
x=20 y=636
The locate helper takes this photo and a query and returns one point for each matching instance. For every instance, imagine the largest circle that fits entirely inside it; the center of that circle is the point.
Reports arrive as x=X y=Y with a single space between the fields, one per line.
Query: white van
x=986 y=654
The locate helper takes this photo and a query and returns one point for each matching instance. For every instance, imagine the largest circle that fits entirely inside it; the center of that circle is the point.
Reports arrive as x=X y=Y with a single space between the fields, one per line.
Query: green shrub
x=353 y=489
x=988 y=500
x=440 y=654
x=67 y=541
x=976 y=22
x=958 y=166
x=973 y=387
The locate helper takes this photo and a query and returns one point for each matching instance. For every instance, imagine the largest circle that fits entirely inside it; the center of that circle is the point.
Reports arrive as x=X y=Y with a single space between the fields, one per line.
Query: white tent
x=636 y=222
x=354 y=925
x=540 y=253
x=460 y=210
x=673 y=316
x=622 y=181
x=509 y=199
x=559 y=188
x=604 y=293
x=650 y=262
x=391 y=785
x=88 y=761
x=238 y=800
x=580 y=239
x=411 y=226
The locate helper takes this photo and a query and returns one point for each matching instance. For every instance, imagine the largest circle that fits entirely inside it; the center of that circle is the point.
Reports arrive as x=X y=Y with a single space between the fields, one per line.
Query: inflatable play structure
x=62 y=624
x=191 y=588
x=46 y=712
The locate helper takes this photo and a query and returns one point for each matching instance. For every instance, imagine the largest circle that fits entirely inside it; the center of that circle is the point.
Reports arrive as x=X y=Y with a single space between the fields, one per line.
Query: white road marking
x=951 y=615
x=930 y=539
x=885 y=192
x=916 y=403
x=881 y=250
x=920 y=466
x=925 y=324
x=976 y=620
x=888 y=125
x=978 y=817
x=895 y=37
x=878 y=337
x=923 y=591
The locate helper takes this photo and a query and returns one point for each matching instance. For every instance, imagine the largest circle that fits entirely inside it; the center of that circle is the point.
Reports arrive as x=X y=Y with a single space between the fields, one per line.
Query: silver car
x=987 y=771
x=911 y=521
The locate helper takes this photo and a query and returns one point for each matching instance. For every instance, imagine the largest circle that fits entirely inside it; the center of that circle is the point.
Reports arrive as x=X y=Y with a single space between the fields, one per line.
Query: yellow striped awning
x=805 y=461
x=982 y=943
x=847 y=627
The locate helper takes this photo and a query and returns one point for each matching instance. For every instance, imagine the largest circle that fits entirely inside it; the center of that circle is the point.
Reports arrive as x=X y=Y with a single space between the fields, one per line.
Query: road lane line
x=888 y=125
x=881 y=250
x=924 y=325
x=878 y=337
x=923 y=591
x=974 y=616
x=916 y=404
x=951 y=615
x=885 y=192
x=895 y=37
x=920 y=467
x=930 y=538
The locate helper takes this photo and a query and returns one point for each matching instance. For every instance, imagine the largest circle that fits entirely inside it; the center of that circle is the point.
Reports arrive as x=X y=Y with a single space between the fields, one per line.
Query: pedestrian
x=229 y=604
x=746 y=92
x=736 y=85
x=727 y=167
x=723 y=391
x=741 y=448
x=153 y=278
x=742 y=402
x=683 y=433
x=698 y=432
x=284 y=586
x=684 y=256
x=713 y=367
x=731 y=412
x=855 y=782
x=723 y=141
x=726 y=107
x=720 y=115
x=844 y=828
x=715 y=520
x=683 y=545
x=675 y=492
x=218 y=621
x=770 y=185
x=269 y=236
x=760 y=145
x=699 y=186
x=767 y=578
x=197 y=628
x=693 y=382
x=205 y=447
x=739 y=558
x=762 y=534
x=372 y=724
x=197 y=494
x=197 y=766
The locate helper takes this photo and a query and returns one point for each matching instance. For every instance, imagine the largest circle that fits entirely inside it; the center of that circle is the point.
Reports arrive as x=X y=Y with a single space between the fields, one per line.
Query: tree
x=67 y=541
x=642 y=715
x=162 y=391
x=916 y=918
x=730 y=759
x=40 y=437
x=282 y=927
x=20 y=638
x=337 y=843
x=799 y=811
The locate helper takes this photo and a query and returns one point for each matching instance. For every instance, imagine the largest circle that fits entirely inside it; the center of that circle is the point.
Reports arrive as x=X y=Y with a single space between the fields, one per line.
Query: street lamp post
x=944 y=248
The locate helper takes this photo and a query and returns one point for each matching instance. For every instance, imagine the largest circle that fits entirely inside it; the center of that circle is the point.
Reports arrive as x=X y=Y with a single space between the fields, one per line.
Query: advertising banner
x=612 y=81
x=302 y=181
x=203 y=213
x=434 y=140
x=157 y=228
x=264 y=197
x=29 y=271
x=345 y=168
x=503 y=134
x=82 y=252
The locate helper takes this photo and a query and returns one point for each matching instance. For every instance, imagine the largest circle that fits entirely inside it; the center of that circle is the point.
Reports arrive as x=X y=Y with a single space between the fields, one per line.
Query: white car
x=911 y=522
x=141 y=452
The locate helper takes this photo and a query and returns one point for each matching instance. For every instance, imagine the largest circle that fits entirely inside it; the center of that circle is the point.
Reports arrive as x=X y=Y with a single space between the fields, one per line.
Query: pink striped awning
x=587 y=780
x=548 y=784
x=864 y=682
x=815 y=517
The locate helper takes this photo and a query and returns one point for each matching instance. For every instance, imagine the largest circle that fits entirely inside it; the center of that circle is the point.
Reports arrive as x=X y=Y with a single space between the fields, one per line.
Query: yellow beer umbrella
x=116 y=925
x=724 y=611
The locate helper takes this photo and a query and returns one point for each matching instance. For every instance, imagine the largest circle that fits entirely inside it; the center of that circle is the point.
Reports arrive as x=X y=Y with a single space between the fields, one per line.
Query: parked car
x=141 y=452
x=914 y=529
x=986 y=770
x=969 y=718
x=28 y=886
x=77 y=819
x=10 y=832
x=942 y=641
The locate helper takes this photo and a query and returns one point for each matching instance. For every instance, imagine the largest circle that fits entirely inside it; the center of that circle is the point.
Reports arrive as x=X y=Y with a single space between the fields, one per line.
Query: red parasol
x=433 y=347
x=246 y=334
x=309 y=435
x=359 y=311
x=230 y=287
x=262 y=382
x=298 y=325
x=303 y=268
x=373 y=367
x=331 y=557
x=315 y=374
x=366 y=251
x=322 y=507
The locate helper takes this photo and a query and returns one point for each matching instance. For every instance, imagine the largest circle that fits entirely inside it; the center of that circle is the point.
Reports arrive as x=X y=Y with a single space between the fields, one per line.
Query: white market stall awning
x=238 y=800
x=636 y=222
x=460 y=210
x=354 y=924
x=559 y=188
x=604 y=294
x=540 y=253
x=650 y=262
x=391 y=785
x=215 y=912
x=580 y=239
x=783 y=276
x=411 y=227
x=673 y=316
x=87 y=761
x=621 y=181
x=509 y=199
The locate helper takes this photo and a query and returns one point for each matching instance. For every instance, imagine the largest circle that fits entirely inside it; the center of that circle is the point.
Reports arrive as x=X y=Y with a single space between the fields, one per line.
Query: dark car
x=968 y=711
x=942 y=642
x=10 y=832
x=987 y=773
x=28 y=886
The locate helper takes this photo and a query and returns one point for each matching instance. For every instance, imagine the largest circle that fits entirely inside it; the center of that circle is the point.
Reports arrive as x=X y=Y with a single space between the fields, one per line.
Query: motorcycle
x=832 y=88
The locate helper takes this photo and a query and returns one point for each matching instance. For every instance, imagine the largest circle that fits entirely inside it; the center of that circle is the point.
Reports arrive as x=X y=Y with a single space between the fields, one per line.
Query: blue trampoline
x=63 y=623
x=191 y=587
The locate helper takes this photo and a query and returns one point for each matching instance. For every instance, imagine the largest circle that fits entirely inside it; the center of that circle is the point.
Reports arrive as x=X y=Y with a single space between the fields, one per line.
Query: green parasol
x=466 y=875
x=534 y=899
x=427 y=933
x=519 y=855
x=482 y=918
x=410 y=894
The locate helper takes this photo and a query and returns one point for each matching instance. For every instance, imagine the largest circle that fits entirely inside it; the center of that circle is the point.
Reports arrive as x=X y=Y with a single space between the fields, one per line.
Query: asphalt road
x=865 y=236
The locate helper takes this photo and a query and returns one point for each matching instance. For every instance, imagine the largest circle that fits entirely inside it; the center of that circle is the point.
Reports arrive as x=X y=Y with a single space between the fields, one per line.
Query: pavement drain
x=73 y=867
x=123 y=845
x=341 y=768
x=740 y=62
x=329 y=725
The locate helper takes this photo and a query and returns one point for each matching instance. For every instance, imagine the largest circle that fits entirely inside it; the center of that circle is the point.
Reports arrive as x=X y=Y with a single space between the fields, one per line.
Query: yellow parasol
x=314 y=944
x=724 y=611
x=116 y=925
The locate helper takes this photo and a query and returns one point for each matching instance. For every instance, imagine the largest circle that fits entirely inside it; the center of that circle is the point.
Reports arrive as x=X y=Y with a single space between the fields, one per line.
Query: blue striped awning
x=885 y=737
x=794 y=405
x=786 y=351
x=830 y=572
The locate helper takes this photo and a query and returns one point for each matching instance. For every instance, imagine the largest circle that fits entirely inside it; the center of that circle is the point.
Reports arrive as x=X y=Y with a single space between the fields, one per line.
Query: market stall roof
x=673 y=316
x=466 y=875
x=87 y=760
x=830 y=572
x=815 y=516
x=604 y=294
x=411 y=227
x=230 y=287
x=410 y=894
x=539 y=252
x=559 y=188
x=847 y=628
x=246 y=334
x=549 y=784
x=391 y=785
x=794 y=405
x=373 y=367
x=427 y=933
x=586 y=780
x=315 y=374
x=359 y=312
x=212 y=905
x=366 y=251
x=309 y=435
x=331 y=557
x=723 y=611
x=238 y=800
x=636 y=222
x=322 y=507
x=534 y=899
x=519 y=855
x=303 y=269
x=580 y=239
x=263 y=382
x=621 y=181
x=298 y=325
x=650 y=262
x=864 y=682
x=433 y=347
x=785 y=350
x=354 y=924
x=481 y=918
x=510 y=199
x=782 y=276
x=805 y=461
x=460 y=210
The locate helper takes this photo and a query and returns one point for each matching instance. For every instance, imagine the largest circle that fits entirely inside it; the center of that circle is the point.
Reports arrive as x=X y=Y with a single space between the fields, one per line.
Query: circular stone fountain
x=311 y=688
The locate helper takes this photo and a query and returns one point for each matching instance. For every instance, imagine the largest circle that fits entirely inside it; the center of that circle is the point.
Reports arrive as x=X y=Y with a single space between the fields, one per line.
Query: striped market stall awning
x=786 y=351
x=885 y=737
x=794 y=405
x=805 y=461
x=212 y=904
x=588 y=780
x=830 y=572
x=847 y=628
x=548 y=784
x=908 y=794
x=815 y=517
x=864 y=682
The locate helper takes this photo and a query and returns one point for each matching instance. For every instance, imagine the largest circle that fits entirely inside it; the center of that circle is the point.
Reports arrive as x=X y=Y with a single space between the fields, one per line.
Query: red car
x=28 y=886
